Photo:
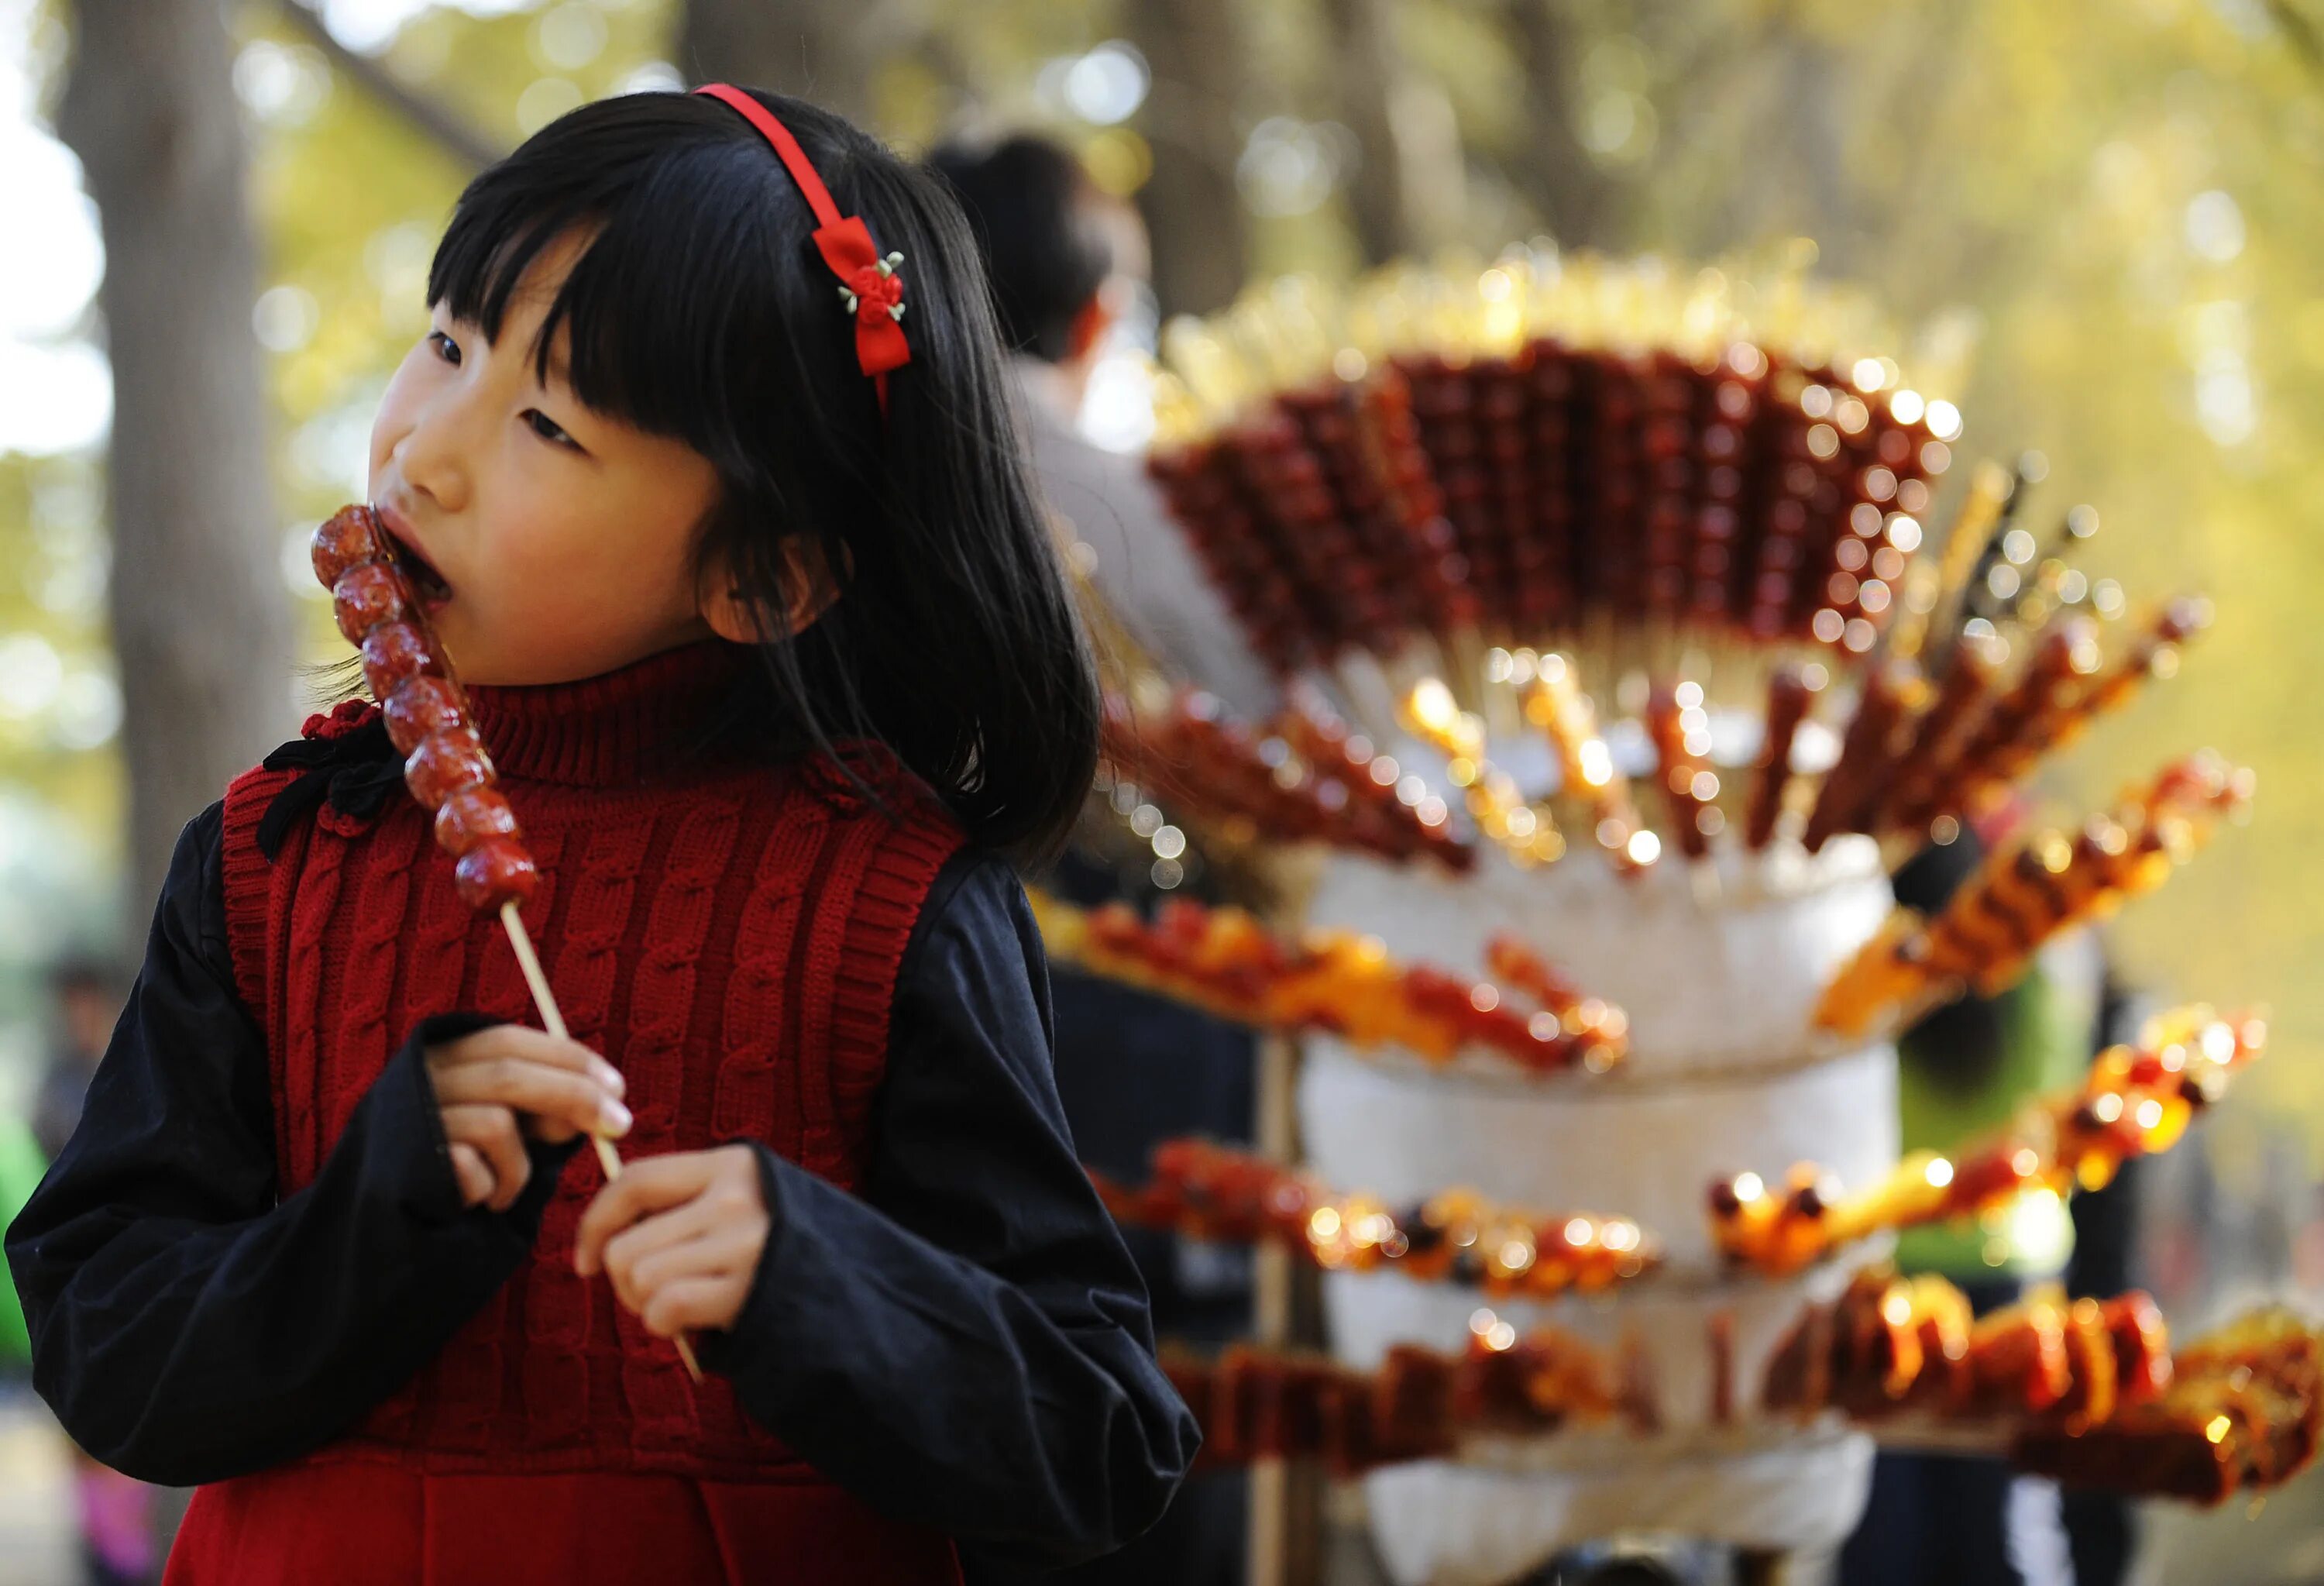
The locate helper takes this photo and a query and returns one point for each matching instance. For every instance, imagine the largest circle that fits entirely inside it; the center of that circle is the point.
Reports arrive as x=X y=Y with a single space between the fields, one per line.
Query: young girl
x=764 y=633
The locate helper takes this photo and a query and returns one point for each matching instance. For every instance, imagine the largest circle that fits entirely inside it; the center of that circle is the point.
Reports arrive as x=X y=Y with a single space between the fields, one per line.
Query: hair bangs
x=672 y=277
x=655 y=309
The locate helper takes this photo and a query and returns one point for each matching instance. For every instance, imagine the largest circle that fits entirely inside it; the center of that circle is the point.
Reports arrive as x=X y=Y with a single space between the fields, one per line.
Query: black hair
x=1035 y=212
x=701 y=310
x=84 y=970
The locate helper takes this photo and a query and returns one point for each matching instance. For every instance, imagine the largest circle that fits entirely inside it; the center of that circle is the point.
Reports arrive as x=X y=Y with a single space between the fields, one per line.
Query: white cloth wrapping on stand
x=1723 y=1077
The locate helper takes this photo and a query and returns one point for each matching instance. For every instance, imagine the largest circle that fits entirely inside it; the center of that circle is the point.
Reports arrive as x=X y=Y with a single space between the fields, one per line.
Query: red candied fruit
x=347 y=539
x=495 y=872
x=366 y=595
x=421 y=708
x=444 y=764
x=472 y=817
x=393 y=651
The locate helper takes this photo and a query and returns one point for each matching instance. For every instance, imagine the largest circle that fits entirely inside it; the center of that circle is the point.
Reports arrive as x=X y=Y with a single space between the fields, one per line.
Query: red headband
x=868 y=283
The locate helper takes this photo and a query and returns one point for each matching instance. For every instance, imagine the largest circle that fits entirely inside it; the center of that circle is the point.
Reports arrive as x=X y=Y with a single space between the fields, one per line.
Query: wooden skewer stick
x=607 y=1157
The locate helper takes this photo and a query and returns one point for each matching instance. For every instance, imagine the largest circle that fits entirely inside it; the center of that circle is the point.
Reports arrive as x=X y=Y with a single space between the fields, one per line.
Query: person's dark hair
x=701 y=310
x=1033 y=210
x=84 y=970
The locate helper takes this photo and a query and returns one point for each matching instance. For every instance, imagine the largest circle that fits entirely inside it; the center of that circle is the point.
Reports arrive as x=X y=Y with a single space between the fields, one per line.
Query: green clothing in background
x=1949 y=1099
x=21 y=1167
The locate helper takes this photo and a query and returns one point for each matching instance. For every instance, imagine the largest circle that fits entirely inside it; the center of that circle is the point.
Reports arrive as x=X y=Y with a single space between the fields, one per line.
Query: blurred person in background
x=125 y=1525
x=1067 y=262
x=85 y=995
x=1963 y=1070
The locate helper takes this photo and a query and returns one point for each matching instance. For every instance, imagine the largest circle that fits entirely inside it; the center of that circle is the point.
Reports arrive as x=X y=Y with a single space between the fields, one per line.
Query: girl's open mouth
x=427 y=583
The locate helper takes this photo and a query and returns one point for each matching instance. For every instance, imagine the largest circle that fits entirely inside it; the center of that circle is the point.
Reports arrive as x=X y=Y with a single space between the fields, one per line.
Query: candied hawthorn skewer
x=1204 y=1190
x=2016 y=727
x=426 y=712
x=1494 y=801
x=1225 y=961
x=1891 y=694
x=1255 y=1404
x=2022 y=896
x=1971 y=683
x=1188 y=748
x=1681 y=734
x=1790 y=692
x=2240 y=1407
x=1554 y=702
x=445 y=767
x=2134 y=1101
x=1891 y=1345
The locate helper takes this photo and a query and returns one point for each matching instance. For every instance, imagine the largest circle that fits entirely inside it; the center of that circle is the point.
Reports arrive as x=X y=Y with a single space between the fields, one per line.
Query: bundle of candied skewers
x=1213 y=1192
x=2029 y=891
x=1255 y=1404
x=2085 y=1391
x=1638 y=615
x=2136 y=1100
x=1549 y=547
x=2243 y=1413
x=1448 y=461
x=1891 y=1347
x=1223 y=960
x=1547 y=550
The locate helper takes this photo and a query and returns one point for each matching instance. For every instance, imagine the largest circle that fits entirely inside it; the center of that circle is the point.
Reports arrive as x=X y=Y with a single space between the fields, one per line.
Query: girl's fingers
x=646 y=1238
x=646 y=1187
x=692 y=1304
x=722 y=1251
x=475 y=1178
x=526 y=1044
x=492 y=1133
x=680 y=1226
x=565 y=1101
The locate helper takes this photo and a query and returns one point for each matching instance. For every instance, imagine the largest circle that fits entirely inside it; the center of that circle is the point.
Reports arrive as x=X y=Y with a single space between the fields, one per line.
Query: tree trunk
x=1575 y=198
x=1409 y=195
x=200 y=623
x=821 y=50
x=1193 y=120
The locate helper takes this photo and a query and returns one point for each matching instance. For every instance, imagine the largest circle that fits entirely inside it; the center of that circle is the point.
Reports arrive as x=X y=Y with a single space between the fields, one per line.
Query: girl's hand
x=499 y=1086
x=681 y=1237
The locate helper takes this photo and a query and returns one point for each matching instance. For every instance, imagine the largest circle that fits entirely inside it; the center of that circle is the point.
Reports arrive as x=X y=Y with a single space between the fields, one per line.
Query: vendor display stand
x=1627 y=645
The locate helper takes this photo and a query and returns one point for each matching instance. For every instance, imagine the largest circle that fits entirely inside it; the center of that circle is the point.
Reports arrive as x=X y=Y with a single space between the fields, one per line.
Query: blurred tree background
x=2104 y=210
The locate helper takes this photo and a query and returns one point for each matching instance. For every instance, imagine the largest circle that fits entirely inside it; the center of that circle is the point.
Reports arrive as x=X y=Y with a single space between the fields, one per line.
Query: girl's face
x=557 y=543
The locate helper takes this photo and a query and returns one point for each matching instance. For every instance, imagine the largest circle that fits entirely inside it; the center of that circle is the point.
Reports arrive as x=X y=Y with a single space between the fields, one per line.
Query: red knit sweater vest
x=728 y=936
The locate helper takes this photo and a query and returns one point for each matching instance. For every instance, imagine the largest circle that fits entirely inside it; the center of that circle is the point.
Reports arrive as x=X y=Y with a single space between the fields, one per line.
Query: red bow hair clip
x=868 y=283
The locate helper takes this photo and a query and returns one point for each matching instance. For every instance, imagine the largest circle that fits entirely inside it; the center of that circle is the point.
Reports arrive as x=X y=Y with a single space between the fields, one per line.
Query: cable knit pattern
x=728 y=934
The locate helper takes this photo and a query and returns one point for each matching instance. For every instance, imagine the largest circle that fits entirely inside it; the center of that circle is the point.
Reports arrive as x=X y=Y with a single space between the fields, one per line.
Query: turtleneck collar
x=621 y=728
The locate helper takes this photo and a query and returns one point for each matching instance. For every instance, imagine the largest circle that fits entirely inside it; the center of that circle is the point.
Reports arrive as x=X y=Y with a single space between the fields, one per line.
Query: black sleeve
x=187 y=1324
x=968 y=1345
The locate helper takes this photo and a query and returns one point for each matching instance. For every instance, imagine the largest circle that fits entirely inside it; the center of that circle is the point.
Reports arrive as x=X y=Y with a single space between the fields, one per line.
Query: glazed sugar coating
x=367 y=594
x=348 y=538
x=493 y=872
x=420 y=708
x=444 y=763
x=393 y=651
x=425 y=710
x=472 y=817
